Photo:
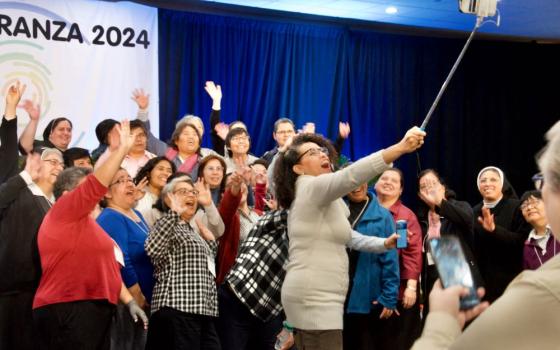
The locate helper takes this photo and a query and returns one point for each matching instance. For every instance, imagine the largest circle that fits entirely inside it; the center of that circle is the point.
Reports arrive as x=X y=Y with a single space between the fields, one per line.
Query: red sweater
x=410 y=258
x=77 y=257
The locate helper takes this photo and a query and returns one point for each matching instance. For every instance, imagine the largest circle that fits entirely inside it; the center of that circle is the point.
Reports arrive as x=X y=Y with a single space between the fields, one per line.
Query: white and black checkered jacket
x=260 y=267
x=180 y=257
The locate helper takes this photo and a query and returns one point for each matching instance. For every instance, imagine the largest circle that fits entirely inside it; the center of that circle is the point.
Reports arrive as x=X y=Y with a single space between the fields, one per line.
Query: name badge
x=430 y=259
x=118 y=255
x=211 y=266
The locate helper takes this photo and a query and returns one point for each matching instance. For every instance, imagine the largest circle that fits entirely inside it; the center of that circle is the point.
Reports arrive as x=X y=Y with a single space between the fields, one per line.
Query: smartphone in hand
x=453 y=268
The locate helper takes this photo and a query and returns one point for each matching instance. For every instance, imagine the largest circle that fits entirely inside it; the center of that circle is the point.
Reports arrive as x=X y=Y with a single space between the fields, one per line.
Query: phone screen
x=453 y=268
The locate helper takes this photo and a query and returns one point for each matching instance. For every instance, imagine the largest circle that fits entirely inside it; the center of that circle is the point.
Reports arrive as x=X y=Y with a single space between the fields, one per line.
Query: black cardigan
x=8 y=149
x=457 y=220
x=500 y=253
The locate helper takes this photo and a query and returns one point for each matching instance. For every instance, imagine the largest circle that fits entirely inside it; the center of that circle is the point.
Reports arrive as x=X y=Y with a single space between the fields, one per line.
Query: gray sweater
x=316 y=281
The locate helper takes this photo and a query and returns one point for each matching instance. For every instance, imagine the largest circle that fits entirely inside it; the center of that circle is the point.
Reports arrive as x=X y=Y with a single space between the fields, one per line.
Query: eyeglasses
x=186 y=192
x=538 y=180
x=218 y=168
x=314 y=152
x=122 y=181
x=533 y=202
x=240 y=138
x=54 y=162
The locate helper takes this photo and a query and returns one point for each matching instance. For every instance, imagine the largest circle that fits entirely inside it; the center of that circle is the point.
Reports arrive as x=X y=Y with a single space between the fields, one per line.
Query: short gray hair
x=48 y=151
x=549 y=158
x=170 y=186
x=68 y=179
x=189 y=118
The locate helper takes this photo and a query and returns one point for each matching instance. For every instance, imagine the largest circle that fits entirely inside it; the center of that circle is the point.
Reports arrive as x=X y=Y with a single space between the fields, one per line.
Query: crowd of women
x=143 y=244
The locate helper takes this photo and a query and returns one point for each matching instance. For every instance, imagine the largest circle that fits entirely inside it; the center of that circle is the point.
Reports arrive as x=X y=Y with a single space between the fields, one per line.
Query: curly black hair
x=285 y=177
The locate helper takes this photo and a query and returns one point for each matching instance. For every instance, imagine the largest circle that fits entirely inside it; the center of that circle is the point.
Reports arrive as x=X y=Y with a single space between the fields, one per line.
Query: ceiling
x=521 y=19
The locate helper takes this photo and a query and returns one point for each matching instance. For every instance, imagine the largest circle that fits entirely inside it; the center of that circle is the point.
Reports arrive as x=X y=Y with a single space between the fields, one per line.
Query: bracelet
x=411 y=288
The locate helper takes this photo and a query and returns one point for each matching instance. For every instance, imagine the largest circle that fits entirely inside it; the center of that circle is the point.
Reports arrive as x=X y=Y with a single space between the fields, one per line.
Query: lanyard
x=553 y=251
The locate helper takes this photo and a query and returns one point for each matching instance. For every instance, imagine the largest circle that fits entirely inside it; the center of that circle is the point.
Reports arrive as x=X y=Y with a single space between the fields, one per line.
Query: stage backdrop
x=495 y=111
x=80 y=59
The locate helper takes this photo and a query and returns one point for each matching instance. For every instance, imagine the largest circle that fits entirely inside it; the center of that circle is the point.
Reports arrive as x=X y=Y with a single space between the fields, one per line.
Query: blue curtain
x=495 y=110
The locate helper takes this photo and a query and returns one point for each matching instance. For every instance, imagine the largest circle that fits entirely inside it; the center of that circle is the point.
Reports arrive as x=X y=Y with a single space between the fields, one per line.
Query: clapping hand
x=487 y=220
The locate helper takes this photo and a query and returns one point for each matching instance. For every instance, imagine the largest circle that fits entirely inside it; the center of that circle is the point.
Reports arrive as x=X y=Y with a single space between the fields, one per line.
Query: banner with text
x=80 y=59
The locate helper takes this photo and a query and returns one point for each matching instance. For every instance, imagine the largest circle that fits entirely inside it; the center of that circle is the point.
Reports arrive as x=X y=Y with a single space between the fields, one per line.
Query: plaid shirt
x=181 y=259
x=260 y=267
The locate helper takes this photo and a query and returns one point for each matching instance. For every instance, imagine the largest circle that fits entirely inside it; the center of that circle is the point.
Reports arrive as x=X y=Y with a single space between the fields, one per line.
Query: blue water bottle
x=402 y=242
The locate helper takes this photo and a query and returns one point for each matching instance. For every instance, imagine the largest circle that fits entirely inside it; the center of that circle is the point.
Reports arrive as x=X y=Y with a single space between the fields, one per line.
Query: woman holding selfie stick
x=316 y=282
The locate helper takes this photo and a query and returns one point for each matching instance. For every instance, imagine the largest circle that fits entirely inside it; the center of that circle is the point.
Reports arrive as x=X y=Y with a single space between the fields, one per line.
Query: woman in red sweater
x=81 y=282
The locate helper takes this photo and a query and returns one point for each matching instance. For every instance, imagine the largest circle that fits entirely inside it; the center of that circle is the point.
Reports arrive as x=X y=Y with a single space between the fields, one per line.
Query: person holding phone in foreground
x=526 y=315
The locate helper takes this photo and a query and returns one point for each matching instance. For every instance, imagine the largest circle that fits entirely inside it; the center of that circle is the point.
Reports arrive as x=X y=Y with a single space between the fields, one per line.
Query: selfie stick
x=446 y=82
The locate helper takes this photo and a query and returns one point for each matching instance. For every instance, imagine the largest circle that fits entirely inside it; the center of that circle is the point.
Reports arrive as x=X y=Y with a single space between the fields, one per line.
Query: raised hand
x=261 y=179
x=175 y=204
x=213 y=90
x=246 y=172
x=487 y=220
x=33 y=165
x=287 y=144
x=222 y=130
x=272 y=203
x=204 y=194
x=433 y=196
x=139 y=192
x=343 y=130
x=308 y=128
x=33 y=109
x=204 y=231
x=126 y=139
x=13 y=96
x=141 y=98
x=412 y=140
x=234 y=181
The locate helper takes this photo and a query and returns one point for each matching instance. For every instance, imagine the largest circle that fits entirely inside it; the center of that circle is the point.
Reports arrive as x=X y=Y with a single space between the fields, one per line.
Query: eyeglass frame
x=186 y=191
x=314 y=151
x=533 y=203
x=58 y=162
x=122 y=181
